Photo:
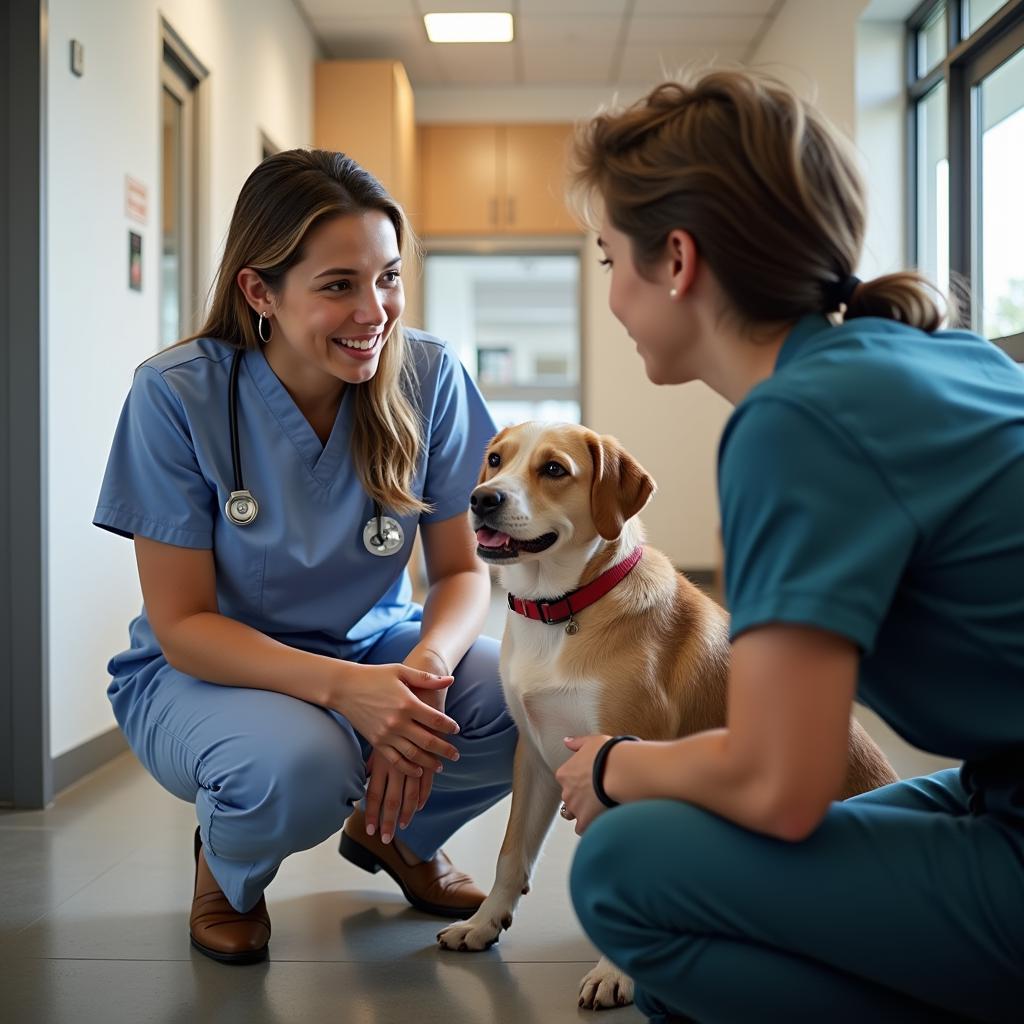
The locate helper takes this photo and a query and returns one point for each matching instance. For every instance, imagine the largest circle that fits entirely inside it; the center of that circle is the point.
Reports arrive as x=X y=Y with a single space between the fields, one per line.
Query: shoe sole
x=357 y=854
x=253 y=956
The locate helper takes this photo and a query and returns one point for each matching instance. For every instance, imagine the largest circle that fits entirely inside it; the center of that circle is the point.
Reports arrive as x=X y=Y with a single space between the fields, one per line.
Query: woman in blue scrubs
x=871 y=484
x=279 y=670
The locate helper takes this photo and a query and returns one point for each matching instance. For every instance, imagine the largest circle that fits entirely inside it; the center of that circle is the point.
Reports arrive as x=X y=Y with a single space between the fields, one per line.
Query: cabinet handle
x=511 y=210
x=494 y=210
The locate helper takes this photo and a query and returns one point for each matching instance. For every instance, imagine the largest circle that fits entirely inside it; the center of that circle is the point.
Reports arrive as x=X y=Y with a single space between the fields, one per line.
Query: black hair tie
x=840 y=293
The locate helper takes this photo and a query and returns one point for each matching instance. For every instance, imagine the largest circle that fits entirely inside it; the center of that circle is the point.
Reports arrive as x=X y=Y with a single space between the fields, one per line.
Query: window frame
x=968 y=61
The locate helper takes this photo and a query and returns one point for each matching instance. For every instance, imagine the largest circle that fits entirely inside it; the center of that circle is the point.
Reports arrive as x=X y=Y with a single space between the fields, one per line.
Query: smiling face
x=546 y=488
x=663 y=328
x=339 y=303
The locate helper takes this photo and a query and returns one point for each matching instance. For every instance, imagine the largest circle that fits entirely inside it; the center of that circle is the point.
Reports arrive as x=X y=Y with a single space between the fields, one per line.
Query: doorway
x=179 y=169
x=514 y=321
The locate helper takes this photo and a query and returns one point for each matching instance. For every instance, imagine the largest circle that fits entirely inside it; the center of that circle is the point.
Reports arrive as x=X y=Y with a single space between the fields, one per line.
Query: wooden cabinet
x=459 y=175
x=364 y=108
x=535 y=167
x=494 y=180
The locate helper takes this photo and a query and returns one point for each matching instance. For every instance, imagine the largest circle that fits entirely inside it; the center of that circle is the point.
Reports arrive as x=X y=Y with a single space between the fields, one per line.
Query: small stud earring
x=673 y=292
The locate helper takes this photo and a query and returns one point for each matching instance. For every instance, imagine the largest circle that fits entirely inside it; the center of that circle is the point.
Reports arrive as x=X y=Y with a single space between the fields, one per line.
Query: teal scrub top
x=300 y=572
x=873 y=487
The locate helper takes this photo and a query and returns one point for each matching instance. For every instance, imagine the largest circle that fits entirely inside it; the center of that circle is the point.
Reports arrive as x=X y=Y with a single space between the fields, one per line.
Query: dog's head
x=543 y=486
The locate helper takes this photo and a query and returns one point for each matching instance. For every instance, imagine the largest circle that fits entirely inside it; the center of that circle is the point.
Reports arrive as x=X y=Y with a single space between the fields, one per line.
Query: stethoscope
x=382 y=535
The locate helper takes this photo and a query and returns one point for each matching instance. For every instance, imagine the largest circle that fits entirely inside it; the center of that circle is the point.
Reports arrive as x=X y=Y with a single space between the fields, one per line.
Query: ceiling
x=558 y=42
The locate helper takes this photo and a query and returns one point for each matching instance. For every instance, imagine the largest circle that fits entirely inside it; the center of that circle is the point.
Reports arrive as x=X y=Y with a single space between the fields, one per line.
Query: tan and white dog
x=555 y=509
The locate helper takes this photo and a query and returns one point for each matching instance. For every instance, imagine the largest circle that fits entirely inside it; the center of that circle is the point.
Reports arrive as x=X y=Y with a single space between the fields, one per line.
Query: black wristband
x=597 y=777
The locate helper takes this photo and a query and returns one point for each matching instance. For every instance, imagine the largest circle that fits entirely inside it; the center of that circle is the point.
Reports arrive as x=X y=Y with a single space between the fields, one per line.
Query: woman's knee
x=625 y=859
x=292 y=795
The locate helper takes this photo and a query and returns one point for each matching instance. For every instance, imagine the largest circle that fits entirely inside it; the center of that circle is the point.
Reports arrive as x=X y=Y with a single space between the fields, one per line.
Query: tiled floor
x=94 y=898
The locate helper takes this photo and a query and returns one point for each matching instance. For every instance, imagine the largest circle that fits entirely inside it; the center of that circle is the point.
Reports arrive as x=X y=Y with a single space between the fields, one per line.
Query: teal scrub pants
x=902 y=906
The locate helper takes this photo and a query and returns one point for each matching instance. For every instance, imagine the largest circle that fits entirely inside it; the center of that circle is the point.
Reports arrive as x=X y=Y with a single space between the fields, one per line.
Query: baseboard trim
x=703 y=578
x=77 y=762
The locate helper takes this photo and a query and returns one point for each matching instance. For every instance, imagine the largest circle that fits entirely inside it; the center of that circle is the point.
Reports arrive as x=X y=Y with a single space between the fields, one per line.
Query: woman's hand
x=576 y=779
x=428 y=660
x=382 y=704
x=391 y=797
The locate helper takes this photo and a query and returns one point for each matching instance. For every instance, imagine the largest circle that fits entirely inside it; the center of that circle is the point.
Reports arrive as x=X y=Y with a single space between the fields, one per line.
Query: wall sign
x=135 y=201
x=135 y=261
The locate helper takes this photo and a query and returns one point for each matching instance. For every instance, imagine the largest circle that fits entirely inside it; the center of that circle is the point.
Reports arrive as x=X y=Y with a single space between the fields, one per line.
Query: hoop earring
x=264 y=319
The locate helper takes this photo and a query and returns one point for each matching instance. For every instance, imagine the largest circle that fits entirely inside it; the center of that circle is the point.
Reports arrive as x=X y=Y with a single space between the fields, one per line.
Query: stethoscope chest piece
x=383 y=535
x=241 y=508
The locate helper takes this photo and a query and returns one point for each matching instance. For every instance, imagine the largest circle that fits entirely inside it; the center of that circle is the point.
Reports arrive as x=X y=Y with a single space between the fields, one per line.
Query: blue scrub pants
x=900 y=907
x=271 y=775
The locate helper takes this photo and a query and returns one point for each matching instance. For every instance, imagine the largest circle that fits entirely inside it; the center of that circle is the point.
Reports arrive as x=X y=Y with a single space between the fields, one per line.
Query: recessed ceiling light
x=492 y=27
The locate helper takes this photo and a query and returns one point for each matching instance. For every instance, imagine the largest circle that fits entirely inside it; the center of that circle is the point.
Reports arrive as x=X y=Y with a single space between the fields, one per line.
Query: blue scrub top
x=300 y=572
x=874 y=487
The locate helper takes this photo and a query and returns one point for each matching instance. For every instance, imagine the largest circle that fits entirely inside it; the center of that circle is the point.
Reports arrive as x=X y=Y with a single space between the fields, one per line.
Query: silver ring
x=566 y=813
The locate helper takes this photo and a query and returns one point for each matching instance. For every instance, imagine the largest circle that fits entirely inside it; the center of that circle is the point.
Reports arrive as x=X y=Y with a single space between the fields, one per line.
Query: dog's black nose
x=484 y=500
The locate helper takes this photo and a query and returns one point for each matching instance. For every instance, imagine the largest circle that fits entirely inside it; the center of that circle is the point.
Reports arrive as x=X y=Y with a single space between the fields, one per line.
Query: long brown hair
x=767 y=187
x=281 y=201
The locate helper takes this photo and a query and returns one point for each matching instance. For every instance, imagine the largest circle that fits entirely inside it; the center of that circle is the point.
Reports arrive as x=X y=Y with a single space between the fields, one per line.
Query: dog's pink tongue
x=491 y=538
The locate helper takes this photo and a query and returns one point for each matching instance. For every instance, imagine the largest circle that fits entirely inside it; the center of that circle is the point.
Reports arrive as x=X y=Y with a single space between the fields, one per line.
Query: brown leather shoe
x=435 y=886
x=219 y=931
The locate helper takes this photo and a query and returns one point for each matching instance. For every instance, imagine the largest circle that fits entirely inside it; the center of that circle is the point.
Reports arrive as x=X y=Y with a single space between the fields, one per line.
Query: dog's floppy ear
x=621 y=485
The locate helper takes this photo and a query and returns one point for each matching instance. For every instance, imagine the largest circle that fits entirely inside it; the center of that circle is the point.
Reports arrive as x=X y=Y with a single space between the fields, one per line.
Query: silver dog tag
x=572 y=627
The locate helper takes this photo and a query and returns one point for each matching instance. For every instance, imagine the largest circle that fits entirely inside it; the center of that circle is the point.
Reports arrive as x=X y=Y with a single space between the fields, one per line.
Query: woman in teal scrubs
x=279 y=669
x=871 y=484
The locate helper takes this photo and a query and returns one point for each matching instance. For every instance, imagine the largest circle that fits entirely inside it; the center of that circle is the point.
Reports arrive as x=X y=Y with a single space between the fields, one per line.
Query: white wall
x=102 y=126
x=812 y=46
x=516 y=103
x=880 y=127
x=847 y=57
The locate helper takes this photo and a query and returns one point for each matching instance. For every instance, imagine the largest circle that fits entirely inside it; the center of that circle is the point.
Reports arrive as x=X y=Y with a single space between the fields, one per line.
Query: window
x=966 y=97
x=1000 y=268
x=514 y=320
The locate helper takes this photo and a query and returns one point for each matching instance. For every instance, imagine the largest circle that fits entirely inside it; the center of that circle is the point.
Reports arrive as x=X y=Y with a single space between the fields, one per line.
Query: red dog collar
x=563 y=608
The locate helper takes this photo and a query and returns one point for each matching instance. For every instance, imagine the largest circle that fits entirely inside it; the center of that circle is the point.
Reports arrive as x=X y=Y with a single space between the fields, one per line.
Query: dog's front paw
x=605 y=986
x=479 y=932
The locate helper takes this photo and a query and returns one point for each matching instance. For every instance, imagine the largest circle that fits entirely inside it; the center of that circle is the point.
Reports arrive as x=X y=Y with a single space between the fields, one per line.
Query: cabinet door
x=355 y=115
x=459 y=165
x=535 y=166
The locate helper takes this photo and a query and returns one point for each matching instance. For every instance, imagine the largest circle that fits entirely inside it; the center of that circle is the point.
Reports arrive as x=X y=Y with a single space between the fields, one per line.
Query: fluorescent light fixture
x=493 y=27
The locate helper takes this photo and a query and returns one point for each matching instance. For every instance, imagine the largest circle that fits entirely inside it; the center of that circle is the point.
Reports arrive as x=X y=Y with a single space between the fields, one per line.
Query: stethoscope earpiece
x=382 y=535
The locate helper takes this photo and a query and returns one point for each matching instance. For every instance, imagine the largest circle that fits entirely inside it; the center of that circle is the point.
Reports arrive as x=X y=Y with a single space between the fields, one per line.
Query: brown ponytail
x=907 y=296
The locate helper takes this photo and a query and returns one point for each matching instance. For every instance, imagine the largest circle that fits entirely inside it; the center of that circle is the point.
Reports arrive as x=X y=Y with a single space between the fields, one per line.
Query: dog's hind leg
x=535 y=799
